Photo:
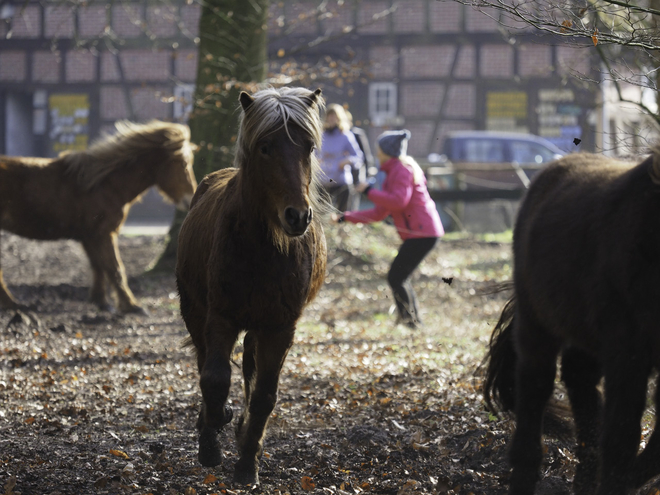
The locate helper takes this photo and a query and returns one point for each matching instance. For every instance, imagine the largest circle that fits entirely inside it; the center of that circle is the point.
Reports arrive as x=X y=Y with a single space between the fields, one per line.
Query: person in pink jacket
x=404 y=196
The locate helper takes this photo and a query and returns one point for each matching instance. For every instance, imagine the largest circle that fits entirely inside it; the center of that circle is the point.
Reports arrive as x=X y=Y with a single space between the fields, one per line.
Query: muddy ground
x=97 y=403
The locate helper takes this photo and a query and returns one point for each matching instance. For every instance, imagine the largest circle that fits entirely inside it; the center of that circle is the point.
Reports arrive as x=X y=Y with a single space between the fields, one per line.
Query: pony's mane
x=129 y=142
x=271 y=110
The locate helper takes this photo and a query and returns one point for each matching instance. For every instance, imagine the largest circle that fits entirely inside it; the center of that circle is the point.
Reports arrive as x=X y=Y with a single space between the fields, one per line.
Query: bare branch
x=626 y=36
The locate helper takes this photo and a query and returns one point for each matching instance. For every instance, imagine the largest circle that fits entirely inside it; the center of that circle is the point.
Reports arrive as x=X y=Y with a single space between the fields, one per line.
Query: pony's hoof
x=249 y=476
x=209 y=458
x=209 y=448
x=105 y=306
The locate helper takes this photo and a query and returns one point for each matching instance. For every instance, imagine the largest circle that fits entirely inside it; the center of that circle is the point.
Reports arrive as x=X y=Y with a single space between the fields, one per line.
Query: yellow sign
x=69 y=121
x=512 y=104
x=506 y=111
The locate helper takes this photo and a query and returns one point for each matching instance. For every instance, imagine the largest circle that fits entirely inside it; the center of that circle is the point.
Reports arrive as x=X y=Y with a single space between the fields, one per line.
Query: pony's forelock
x=131 y=139
x=271 y=110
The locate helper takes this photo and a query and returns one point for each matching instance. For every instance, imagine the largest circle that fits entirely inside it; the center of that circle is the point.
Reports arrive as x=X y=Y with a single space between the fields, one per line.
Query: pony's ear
x=313 y=98
x=246 y=100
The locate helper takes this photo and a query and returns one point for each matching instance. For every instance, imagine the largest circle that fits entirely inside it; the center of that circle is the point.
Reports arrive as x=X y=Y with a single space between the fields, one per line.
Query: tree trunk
x=232 y=58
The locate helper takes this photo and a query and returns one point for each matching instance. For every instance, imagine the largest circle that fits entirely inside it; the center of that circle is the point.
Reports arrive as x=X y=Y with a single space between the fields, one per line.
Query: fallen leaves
x=119 y=453
x=210 y=478
x=307 y=484
x=365 y=406
x=10 y=485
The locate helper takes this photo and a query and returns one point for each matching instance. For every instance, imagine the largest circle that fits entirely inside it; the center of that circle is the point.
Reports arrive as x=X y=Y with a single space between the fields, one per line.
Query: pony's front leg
x=104 y=253
x=215 y=379
x=271 y=350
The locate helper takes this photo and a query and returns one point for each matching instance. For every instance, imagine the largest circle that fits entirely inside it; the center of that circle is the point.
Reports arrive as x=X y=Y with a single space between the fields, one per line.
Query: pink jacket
x=410 y=205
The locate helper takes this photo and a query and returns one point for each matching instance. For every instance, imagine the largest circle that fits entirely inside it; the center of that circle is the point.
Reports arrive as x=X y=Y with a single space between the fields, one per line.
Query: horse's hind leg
x=535 y=374
x=249 y=371
x=626 y=381
x=214 y=381
x=581 y=373
x=647 y=464
x=271 y=350
x=193 y=311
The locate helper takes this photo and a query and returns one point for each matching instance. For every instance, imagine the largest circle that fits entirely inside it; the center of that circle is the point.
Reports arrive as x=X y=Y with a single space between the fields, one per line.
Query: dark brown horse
x=586 y=276
x=86 y=196
x=251 y=256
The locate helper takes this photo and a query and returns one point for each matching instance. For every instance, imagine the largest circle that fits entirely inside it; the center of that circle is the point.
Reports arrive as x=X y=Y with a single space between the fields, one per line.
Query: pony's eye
x=264 y=149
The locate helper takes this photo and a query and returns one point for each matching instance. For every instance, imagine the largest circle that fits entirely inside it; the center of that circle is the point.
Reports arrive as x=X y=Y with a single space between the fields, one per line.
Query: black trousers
x=411 y=253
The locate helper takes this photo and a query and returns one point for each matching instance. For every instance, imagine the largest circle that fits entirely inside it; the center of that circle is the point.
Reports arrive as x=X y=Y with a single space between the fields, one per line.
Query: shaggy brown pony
x=586 y=276
x=251 y=256
x=86 y=196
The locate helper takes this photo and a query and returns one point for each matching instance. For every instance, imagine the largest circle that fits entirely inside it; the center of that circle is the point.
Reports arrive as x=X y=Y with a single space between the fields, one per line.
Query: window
x=524 y=153
x=183 y=101
x=483 y=151
x=382 y=103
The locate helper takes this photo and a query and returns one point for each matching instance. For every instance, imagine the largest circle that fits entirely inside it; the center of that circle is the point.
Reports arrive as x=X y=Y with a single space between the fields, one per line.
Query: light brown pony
x=86 y=196
x=251 y=256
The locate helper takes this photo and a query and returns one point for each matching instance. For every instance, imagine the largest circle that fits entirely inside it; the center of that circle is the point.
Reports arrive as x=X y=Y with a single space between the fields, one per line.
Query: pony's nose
x=297 y=219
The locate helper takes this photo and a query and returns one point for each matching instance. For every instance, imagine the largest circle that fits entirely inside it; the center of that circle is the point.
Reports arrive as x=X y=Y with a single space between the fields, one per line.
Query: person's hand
x=337 y=217
x=362 y=186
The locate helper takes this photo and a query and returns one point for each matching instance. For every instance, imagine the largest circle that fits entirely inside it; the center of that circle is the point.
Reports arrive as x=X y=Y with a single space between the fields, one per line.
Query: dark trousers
x=411 y=253
x=340 y=195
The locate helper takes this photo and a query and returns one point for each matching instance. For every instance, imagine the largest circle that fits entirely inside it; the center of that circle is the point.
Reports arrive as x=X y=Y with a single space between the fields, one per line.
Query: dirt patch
x=99 y=403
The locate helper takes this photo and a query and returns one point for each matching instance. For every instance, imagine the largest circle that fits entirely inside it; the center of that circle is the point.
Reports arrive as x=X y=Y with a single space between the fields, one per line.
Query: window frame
x=376 y=113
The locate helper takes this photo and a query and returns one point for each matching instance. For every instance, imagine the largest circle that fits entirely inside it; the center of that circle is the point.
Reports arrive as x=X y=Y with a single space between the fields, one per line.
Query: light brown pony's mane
x=271 y=110
x=130 y=141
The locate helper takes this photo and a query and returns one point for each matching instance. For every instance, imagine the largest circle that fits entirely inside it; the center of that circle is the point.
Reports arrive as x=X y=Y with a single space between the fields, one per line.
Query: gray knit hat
x=394 y=143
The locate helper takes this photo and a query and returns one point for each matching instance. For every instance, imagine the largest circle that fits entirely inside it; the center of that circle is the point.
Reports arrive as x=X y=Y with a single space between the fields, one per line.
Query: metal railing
x=479 y=182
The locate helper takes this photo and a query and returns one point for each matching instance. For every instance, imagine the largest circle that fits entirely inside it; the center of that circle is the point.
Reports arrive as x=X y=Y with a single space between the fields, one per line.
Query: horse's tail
x=500 y=363
x=499 y=384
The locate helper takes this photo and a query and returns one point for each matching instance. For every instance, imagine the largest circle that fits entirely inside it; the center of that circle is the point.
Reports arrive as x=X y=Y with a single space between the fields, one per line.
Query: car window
x=484 y=151
x=526 y=152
